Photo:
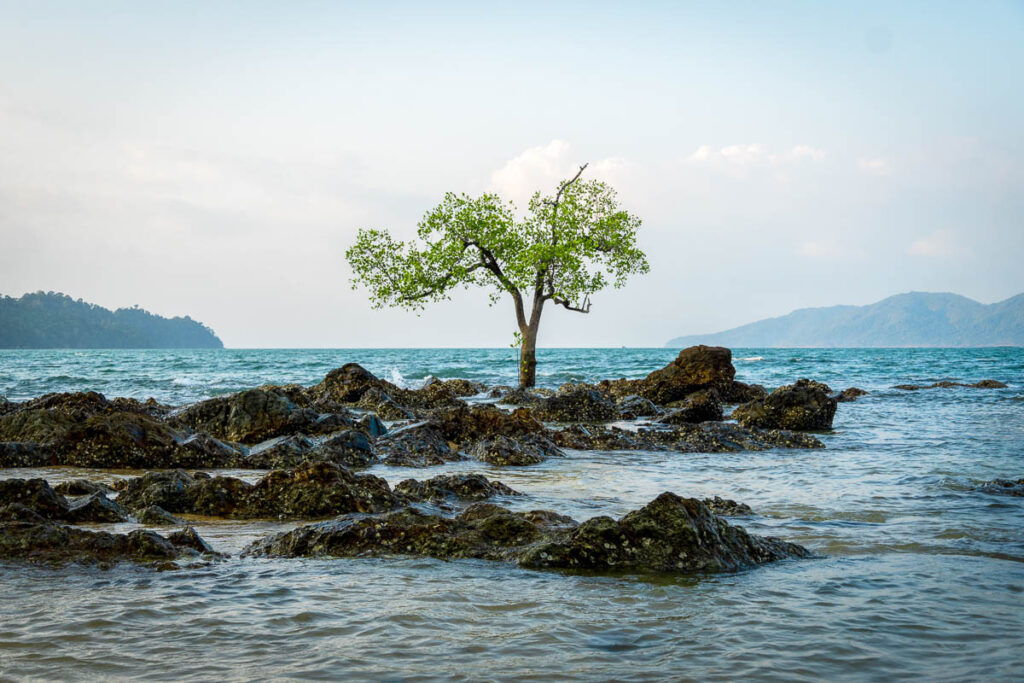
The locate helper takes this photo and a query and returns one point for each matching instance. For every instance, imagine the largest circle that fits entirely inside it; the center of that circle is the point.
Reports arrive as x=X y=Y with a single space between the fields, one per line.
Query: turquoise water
x=919 y=576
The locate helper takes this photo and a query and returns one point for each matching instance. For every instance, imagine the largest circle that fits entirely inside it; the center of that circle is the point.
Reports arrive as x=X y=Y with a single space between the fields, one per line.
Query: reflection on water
x=920 y=576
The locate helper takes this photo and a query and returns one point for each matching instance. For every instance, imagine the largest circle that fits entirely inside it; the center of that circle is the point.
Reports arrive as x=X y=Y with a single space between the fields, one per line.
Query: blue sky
x=216 y=159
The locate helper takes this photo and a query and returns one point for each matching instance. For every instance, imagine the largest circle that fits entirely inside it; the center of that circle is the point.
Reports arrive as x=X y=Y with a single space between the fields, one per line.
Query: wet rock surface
x=38 y=496
x=850 y=395
x=945 y=384
x=708 y=437
x=694 y=369
x=803 y=406
x=701 y=406
x=460 y=487
x=670 y=534
x=1003 y=487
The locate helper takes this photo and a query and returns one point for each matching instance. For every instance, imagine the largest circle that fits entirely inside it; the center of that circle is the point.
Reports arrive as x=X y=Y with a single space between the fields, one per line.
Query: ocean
x=917 y=574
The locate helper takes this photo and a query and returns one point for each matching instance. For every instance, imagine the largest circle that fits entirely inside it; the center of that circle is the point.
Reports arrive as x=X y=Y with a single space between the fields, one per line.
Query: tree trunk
x=528 y=358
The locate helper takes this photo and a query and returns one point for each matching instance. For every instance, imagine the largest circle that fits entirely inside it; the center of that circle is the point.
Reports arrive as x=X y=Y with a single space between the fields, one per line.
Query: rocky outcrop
x=694 y=369
x=508 y=451
x=458 y=387
x=30 y=538
x=82 y=487
x=804 y=406
x=315 y=489
x=850 y=395
x=417 y=445
x=20 y=454
x=39 y=497
x=701 y=406
x=707 y=437
x=154 y=515
x=452 y=487
x=738 y=392
x=724 y=507
x=1002 y=487
x=945 y=384
x=670 y=534
x=631 y=407
x=577 y=403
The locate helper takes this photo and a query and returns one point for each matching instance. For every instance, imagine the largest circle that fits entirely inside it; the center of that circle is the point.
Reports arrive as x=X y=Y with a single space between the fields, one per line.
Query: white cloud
x=755 y=154
x=544 y=167
x=874 y=166
x=939 y=244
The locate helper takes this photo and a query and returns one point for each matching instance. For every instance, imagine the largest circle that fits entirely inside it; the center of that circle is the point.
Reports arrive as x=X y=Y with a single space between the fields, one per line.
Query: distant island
x=903 y=320
x=51 y=320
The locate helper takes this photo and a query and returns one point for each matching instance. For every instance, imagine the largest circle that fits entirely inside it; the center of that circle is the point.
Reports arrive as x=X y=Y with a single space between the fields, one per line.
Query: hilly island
x=914 y=319
x=51 y=320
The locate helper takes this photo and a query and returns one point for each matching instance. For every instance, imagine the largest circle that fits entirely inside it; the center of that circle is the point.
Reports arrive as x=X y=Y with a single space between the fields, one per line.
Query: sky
x=216 y=159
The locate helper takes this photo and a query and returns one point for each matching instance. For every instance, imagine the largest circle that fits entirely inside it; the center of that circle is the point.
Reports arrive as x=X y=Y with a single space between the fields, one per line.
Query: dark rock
x=7 y=406
x=346 y=384
x=727 y=508
x=466 y=426
x=167 y=490
x=1004 y=487
x=372 y=426
x=738 y=392
x=82 y=487
x=96 y=508
x=707 y=437
x=908 y=387
x=51 y=543
x=529 y=449
x=633 y=406
x=701 y=406
x=576 y=404
x=349 y=448
x=989 y=384
x=670 y=534
x=154 y=515
x=253 y=416
x=188 y=538
x=19 y=454
x=35 y=494
x=417 y=445
x=384 y=406
x=695 y=368
x=458 y=387
x=453 y=486
x=803 y=406
x=281 y=451
x=850 y=395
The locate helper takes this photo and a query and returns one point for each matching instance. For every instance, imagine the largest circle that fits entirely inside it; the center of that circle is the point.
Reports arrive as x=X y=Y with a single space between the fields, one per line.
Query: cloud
x=874 y=166
x=754 y=154
x=544 y=167
x=939 y=244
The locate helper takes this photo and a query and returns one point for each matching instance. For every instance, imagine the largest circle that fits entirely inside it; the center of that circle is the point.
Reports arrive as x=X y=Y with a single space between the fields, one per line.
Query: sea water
x=918 y=574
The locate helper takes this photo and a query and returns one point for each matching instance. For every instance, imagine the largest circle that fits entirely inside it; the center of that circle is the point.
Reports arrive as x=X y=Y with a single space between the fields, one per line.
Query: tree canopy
x=565 y=248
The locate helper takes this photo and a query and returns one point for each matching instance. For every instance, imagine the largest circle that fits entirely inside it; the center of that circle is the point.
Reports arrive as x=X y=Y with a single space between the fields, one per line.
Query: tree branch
x=583 y=308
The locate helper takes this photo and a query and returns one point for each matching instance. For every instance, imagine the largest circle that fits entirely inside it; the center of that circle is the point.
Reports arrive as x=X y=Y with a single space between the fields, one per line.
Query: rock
x=466 y=426
x=346 y=384
x=96 y=508
x=695 y=368
x=670 y=534
x=529 y=449
x=19 y=454
x=416 y=445
x=281 y=451
x=803 y=406
x=850 y=395
x=499 y=391
x=701 y=406
x=372 y=426
x=521 y=396
x=51 y=543
x=7 y=406
x=188 y=538
x=36 y=495
x=314 y=489
x=727 y=508
x=129 y=440
x=458 y=387
x=1004 y=487
x=383 y=406
x=707 y=437
x=453 y=486
x=989 y=384
x=577 y=404
x=349 y=448
x=253 y=416
x=38 y=426
x=82 y=487
x=738 y=392
x=946 y=384
x=154 y=515
x=633 y=406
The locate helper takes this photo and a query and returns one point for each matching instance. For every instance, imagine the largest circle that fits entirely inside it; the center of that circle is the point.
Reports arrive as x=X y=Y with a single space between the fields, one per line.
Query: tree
x=566 y=248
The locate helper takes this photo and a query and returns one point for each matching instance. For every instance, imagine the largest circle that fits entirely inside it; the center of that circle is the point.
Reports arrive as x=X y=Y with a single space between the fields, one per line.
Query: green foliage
x=566 y=248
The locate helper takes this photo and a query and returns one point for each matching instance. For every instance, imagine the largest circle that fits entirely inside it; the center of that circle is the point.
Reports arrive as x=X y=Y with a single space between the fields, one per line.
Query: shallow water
x=918 y=575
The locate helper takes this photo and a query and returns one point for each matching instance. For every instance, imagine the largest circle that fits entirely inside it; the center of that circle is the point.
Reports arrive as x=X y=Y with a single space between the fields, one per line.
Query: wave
x=751 y=359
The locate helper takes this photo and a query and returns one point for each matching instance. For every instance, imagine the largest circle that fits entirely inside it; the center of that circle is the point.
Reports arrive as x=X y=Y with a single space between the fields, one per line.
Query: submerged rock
x=804 y=406
x=946 y=384
x=1003 y=487
x=314 y=489
x=188 y=538
x=701 y=406
x=850 y=395
x=30 y=539
x=707 y=437
x=670 y=534
x=453 y=486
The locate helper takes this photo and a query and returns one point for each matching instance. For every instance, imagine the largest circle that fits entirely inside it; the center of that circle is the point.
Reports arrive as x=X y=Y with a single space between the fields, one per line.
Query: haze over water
x=917 y=575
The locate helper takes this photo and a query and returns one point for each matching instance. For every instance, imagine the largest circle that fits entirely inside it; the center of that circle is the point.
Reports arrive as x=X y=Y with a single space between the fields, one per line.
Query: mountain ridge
x=911 y=319
x=53 y=320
